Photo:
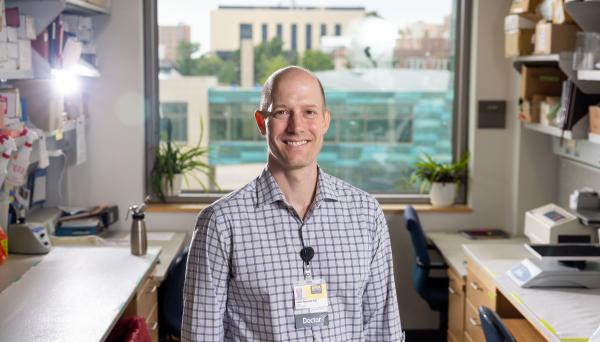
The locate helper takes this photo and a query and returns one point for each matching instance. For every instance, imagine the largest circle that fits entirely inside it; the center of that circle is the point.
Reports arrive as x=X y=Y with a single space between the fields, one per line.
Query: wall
x=114 y=172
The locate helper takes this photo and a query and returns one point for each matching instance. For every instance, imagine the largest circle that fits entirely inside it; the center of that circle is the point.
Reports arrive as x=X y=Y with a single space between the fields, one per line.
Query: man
x=295 y=255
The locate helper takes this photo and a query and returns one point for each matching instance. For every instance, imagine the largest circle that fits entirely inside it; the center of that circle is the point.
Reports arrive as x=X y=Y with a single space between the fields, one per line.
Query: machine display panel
x=554 y=215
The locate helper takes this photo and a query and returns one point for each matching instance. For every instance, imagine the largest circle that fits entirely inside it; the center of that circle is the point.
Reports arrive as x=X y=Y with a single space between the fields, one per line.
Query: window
x=393 y=93
x=308 y=36
x=338 y=30
x=294 y=37
x=245 y=31
x=177 y=114
x=264 y=33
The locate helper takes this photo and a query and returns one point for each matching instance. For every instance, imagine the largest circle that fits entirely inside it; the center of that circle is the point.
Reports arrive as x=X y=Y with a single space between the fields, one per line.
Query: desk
x=557 y=314
x=450 y=246
x=77 y=293
x=568 y=315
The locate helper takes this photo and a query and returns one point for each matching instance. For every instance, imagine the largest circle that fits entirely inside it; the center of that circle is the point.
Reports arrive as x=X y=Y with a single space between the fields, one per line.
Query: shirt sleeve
x=206 y=280
x=381 y=317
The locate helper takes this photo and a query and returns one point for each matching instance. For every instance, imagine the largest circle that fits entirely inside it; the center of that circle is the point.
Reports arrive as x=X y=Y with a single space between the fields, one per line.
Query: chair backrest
x=171 y=296
x=493 y=327
x=419 y=242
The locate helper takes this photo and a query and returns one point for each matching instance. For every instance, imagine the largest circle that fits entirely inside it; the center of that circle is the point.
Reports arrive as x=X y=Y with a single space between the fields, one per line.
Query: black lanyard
x=306 y=253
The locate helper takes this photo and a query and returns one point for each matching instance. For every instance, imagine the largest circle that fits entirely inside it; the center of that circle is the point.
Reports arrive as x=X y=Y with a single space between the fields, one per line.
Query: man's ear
x=260 y=122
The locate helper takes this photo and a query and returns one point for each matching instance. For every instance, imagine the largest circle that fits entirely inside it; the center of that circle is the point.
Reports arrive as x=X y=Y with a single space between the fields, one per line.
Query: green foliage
x=229 y=73
x=269 y=56
x=172 y=159
x=209 y=65
x=315 y=60
x=428 y=171
x=185 y=64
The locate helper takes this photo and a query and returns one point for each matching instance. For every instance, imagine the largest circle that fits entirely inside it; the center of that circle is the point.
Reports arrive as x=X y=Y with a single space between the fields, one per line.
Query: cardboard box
x=530 y=110
x=559 y=13
x=515 y=22
x=540 y=81
x=524 y=6
x=553 y=38
x=518 y=43
x=594 y=119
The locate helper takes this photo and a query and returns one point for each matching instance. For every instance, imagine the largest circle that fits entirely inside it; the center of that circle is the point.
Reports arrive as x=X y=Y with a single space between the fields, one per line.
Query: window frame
x=462 y=49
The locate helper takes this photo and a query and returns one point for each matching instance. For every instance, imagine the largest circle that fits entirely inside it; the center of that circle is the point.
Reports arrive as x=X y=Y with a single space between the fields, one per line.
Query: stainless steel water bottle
x=139 y=240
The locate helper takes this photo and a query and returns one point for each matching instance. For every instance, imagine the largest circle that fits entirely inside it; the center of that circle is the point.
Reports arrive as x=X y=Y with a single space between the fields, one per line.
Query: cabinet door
x=472 y=323
x=456 y=306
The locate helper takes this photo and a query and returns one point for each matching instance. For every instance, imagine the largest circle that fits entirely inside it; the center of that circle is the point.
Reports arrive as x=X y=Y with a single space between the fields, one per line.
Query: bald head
x=266 y=96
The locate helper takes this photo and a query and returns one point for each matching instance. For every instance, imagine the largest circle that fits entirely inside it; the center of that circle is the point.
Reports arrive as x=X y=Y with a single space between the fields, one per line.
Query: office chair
x=434 y=290
x=493 y=327
x=170 y=299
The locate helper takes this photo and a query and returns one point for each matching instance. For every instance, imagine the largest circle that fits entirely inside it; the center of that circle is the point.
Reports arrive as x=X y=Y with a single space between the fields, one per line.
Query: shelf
x=585 y=14
x=594 y=138
x=85 y=8
x=535 y=60
x=587 y=84
x=550 y=130
x=589 y=75
x=16 y=75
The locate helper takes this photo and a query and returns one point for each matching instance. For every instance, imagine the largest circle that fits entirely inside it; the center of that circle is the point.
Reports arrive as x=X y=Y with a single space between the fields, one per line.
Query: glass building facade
x=373 y=139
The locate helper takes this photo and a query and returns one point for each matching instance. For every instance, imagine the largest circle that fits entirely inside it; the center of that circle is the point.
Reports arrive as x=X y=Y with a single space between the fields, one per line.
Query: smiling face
x=295 y=121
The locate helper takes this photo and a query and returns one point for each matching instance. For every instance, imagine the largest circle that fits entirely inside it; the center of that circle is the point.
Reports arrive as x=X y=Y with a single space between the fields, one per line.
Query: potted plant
x=442 y=178
x=174 y=162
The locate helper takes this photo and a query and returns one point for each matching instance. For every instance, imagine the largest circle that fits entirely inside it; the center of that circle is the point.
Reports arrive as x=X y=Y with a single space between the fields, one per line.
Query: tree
x=315 y=60
x=209 y=65
x=185 y=63
x=269 y=66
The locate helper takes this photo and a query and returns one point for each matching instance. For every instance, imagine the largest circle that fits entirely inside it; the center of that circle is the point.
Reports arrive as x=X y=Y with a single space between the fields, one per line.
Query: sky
x=399 y=12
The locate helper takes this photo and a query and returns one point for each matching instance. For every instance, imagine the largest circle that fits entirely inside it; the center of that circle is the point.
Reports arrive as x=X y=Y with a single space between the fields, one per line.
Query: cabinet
x=481 y=291
x=145 y=304
x=456 y=306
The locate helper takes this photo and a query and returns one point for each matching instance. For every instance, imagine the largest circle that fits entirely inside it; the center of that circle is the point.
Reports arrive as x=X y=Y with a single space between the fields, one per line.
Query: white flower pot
x=442 y=194
x=175 y=189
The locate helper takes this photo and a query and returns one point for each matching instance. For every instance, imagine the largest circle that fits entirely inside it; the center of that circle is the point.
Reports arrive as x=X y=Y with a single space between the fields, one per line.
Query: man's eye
x=311 y=113
x=281 y=113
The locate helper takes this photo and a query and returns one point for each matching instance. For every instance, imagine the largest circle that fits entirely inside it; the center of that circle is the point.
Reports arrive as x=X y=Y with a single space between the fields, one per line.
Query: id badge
x=311 y=303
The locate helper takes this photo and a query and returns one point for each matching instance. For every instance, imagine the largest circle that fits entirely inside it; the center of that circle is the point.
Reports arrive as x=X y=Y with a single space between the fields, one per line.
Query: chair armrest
x=432 y=265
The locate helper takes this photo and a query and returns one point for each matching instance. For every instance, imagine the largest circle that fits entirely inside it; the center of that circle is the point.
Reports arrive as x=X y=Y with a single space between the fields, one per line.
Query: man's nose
x=295 y=122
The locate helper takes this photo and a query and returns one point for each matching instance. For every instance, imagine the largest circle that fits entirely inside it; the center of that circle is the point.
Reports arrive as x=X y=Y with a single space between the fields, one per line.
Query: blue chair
x=170 y=299
x=493 y=327
x=434 y=290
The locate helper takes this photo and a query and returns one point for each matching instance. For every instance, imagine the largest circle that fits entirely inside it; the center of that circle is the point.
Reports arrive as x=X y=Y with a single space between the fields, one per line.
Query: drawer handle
x=473 y=322
x=475 y=286
x=451 y=290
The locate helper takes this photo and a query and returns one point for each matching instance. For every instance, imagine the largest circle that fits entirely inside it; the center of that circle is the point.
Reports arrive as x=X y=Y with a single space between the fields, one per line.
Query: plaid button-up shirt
x=244 y=261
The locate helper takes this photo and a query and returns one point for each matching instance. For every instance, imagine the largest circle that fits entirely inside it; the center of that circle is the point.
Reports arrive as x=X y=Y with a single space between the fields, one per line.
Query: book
x=484 y=233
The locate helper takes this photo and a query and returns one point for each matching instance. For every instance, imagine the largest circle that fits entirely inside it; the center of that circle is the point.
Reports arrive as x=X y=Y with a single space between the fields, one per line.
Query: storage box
x=594 y=119
x=524 y=6
x=530 y=110
x=553 y=38
x=515 y=22
x=540 y=81
x=518 y=43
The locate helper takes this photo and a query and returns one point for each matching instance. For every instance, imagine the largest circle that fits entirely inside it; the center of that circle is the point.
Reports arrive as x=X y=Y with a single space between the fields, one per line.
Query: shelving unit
x=44 y=12
x=550 y=130
x=535 y=60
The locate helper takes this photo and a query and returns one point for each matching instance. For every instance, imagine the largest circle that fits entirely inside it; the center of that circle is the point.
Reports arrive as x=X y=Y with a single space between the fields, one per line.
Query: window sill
x=387 y=208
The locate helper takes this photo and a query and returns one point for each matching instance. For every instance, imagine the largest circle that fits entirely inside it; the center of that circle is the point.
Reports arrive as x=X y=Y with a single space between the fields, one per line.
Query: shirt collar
x=268 y=191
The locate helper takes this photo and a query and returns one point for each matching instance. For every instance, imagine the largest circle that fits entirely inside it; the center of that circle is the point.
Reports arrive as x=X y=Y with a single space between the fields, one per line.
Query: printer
x=553 y=224
x=555 y=228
